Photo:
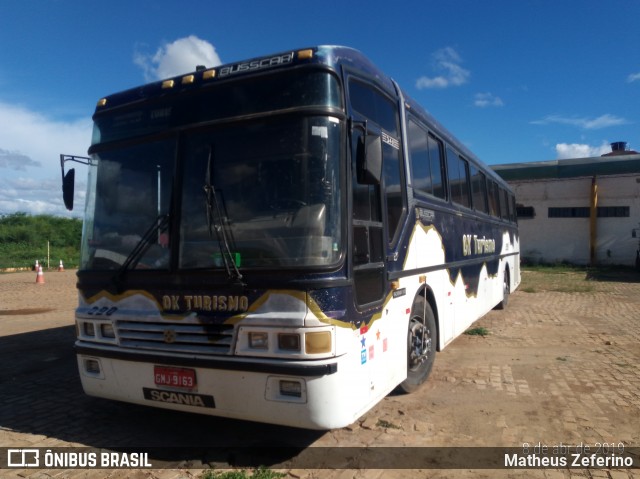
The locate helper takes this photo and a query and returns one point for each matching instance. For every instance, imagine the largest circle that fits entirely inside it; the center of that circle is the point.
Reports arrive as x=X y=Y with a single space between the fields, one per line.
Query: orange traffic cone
x=61 y=267
x=40 y=277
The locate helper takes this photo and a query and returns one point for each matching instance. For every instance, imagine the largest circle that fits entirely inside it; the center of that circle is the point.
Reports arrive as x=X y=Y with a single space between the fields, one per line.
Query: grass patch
x=386 y=424
x=559 y=268
x=561 y=279
x=480 y=331
x=566 y=278
x=260 y=473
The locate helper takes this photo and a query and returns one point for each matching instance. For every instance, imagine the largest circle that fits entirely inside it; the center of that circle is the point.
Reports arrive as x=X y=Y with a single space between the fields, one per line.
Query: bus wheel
x=505 y=291
x=421 y=345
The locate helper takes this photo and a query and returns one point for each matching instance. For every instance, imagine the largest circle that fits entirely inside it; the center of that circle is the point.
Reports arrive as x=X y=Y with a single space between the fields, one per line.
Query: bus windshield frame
x=273 y=167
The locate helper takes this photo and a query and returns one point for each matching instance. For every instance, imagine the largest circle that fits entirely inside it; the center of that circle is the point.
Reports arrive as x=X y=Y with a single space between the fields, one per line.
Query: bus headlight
x=292 y=343
x=89 y=329
x=289 y=342
x=258 y=340
x=106 y=331
x=96 y=331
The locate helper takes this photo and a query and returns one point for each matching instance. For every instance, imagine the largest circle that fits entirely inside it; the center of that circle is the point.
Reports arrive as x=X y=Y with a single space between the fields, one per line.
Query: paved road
x=557 y=367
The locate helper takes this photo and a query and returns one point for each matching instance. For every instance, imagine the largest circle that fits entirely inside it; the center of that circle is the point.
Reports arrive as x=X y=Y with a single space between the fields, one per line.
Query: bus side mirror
x=68 y=187
x=369 y=159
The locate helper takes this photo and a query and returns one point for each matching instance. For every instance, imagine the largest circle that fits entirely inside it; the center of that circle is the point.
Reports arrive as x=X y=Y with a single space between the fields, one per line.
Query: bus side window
x=419 y=153
x=494 y=198
x=478 y=189
x=504 y=204
x=379 y=109
x=425 y=152
x=436 y=158
x=458 y=178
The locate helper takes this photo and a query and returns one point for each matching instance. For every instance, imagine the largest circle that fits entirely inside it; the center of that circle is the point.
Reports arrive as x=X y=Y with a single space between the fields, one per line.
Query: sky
x=514 y=80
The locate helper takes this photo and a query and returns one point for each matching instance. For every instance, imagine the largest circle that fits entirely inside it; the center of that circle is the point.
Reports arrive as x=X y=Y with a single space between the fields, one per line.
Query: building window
x=613 y=212
x=569 y=212
x=585 y=212
x=525 y=212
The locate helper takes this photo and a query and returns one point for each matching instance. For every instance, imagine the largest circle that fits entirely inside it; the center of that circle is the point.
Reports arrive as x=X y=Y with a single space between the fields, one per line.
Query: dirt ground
x=556 y=367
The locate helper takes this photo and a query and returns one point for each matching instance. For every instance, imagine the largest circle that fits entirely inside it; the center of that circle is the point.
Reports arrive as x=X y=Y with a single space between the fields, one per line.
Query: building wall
x=551 y=240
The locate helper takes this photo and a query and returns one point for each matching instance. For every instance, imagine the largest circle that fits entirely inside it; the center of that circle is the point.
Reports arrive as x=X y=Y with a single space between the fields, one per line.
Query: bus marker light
x=188 y=79
x=167 y=84
x=305 y=54
x=317 y=342
x=102 y=102
x=209 y=74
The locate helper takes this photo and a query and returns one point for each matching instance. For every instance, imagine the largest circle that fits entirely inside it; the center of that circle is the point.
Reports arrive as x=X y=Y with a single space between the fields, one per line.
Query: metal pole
x=593 y=222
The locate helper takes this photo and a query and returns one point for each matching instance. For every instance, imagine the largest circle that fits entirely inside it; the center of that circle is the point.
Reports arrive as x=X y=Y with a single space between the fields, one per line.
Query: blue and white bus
x=285 y=239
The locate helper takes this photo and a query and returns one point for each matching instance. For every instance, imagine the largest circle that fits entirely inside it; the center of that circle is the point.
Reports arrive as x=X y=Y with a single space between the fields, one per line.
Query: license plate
x=174 y=377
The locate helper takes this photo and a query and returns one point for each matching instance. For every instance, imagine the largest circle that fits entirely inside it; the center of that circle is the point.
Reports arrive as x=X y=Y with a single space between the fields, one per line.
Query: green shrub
x=23 y=240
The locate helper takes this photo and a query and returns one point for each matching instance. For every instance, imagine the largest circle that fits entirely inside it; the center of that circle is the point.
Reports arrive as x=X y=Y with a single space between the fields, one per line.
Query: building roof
x=598 y=166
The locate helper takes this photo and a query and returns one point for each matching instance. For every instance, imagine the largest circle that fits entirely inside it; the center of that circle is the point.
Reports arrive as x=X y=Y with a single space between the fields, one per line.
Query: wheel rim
x=419 y=343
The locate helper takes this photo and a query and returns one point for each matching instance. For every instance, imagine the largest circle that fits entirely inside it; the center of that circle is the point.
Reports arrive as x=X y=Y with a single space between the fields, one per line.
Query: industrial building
x=580 y=211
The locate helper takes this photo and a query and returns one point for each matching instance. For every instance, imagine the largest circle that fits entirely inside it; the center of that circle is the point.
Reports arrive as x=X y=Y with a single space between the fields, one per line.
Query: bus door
x=378 y=208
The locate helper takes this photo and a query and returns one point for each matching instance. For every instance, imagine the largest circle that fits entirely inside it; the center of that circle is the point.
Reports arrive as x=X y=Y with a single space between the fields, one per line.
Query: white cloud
x=633 y=77
x=42 y=139
x=579 y=150
x=180 y=56
x=483 y=100
x=38 y=196
x=603 y=121
x=30 y=147
x=447 y=62
x=15 y=160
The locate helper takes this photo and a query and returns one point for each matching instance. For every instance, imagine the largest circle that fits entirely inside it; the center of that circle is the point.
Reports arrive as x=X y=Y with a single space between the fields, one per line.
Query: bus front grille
x=177 y=338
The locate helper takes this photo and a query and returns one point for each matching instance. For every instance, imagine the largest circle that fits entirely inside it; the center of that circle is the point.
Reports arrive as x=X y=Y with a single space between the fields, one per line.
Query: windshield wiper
x=159 y=224
x=215 y=223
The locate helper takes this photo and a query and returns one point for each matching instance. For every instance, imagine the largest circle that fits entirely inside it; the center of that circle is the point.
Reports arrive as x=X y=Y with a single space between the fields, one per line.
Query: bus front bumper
x=305 y=394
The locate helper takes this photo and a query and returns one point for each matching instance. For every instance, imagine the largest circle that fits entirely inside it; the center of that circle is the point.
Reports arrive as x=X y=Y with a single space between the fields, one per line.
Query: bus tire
x=506 y=290
x=421 y=345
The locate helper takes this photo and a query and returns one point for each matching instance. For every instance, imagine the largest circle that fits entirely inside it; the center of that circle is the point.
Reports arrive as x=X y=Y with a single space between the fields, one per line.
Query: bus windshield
x=273 y=200
x=275 y=194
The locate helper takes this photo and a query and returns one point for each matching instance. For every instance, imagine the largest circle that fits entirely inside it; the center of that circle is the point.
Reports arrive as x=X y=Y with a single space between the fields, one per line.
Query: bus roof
x=333 y=56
